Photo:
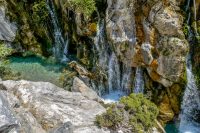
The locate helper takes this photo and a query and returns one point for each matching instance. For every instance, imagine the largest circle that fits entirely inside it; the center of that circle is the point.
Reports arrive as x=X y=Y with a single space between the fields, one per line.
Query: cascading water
x=118 y=81
x=114 y=81
x=60 y=49
x=126 y=82
x=101 y=45
x=119 y=74
x=190 y=107
x=114 y=74
x=139 y=81
x=187 y=6
x=190 y=104
x=101 y=48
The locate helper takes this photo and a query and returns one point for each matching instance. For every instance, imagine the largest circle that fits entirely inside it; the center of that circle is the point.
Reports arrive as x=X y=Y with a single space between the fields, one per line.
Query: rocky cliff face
x=149 y=34
x=7 y=29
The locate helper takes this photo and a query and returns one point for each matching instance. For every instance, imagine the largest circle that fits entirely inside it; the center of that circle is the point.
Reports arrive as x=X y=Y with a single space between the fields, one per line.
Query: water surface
x=35 y=68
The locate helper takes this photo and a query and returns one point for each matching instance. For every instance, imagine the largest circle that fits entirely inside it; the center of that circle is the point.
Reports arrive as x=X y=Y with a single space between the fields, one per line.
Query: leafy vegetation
x=135 y=112
x=4 y=51
x=40 y=11
x=111 y=119
x=87 y=7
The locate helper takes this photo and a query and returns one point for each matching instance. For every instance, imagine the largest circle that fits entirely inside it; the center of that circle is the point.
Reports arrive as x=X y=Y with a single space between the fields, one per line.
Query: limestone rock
x=159 y=37
x=168 y=22
x=175 y=95
x=91 y=129
x=80 y=86
x=7 y=29
x=121 y=28
x=65 y=128
x=171 y=61
x=83 y=72
x=39 y=107
x=8 y=122
x=146 y=53
x=166 y=113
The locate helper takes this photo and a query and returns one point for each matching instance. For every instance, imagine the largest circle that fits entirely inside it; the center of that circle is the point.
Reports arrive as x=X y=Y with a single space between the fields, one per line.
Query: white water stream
x=190 y=104
x=139 y=81
x=60 y=49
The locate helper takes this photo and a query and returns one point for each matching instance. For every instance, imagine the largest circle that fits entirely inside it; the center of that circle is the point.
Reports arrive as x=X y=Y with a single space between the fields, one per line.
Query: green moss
x=137 y=112
x=197 y=76
x=186 y=29
x=183 y=80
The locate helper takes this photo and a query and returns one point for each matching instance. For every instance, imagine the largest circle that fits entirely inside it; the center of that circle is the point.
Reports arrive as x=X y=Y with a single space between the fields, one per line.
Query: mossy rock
x=7 y=74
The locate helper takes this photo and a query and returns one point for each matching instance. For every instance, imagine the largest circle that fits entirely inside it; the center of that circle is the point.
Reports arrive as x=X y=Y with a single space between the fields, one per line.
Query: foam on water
x=113 y=96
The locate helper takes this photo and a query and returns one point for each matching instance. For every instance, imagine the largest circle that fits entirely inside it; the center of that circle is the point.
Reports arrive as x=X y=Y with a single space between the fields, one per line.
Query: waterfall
x=60 y=49
x=139 y=81
x=188 y=5
x=126 y=82
x=190 y=104
x=114 y=79
x=101 y=49
x=101 y=45
x=119 y=82
x=119 y=75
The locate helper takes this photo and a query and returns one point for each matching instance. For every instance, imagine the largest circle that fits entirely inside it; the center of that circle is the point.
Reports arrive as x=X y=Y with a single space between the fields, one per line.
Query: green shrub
x=111 y=118
x=4 y=51
x=135 y=111
x=141 y=110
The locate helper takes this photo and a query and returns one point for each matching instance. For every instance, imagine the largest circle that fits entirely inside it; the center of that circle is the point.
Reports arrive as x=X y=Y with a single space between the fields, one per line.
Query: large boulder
x=170 y=65
x=80 y=86
x=40 y=107
x=168 y=22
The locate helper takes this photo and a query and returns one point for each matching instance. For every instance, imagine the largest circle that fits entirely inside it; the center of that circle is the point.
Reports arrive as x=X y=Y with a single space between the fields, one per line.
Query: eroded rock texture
x=39 y=107
x=149 y=33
